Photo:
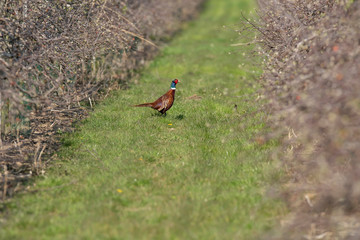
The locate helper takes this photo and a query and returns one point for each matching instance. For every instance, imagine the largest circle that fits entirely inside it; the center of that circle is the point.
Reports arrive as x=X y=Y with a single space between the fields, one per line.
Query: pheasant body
x=165 y=102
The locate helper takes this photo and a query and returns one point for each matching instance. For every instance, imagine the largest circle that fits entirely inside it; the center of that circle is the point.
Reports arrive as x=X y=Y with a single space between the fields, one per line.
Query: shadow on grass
x=180 y=117
x=177 y=117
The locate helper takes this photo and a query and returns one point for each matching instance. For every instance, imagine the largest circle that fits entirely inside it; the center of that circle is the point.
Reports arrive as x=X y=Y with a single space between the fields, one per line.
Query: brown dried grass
x=312 y=84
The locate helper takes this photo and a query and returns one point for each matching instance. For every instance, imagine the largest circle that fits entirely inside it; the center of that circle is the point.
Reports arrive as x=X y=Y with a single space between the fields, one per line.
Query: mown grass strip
x=129 y=173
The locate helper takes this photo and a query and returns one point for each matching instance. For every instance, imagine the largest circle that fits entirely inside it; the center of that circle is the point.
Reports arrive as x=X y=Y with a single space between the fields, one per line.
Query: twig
x=136 y=35
x=5 y=182
x=12 y=178
x=18 y=143
x=35 y=155
x=258 y=29
x=121 y=16
x=244 y=44
x=90 y=103
x=39 y=158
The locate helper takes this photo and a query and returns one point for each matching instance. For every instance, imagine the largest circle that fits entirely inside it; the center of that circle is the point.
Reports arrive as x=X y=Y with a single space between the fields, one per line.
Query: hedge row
x=312 y=84
x=54 y=55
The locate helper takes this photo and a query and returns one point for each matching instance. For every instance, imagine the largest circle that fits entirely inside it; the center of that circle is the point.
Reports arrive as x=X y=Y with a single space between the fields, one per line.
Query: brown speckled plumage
x=163 y=103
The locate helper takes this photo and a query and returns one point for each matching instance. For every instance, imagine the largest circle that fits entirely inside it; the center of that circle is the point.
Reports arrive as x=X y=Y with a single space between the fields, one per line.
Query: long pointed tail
x=144 y=105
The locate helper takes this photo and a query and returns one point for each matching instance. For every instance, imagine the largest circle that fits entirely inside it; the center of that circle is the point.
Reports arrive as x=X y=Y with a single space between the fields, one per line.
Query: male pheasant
x=164 y=102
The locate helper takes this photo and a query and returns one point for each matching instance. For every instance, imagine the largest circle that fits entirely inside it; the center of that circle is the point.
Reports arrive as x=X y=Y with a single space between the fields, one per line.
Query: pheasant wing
x=160 y=103
x=164 y=103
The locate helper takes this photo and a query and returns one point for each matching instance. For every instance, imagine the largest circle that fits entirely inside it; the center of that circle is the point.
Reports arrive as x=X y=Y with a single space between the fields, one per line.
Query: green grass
x=128 y=174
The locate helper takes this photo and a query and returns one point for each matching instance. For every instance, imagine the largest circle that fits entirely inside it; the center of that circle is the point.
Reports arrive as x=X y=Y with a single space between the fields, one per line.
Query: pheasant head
x=173 y=84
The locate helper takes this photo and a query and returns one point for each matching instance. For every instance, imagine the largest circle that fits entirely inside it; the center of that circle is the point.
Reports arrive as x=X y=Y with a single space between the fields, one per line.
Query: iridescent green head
x=173 y=84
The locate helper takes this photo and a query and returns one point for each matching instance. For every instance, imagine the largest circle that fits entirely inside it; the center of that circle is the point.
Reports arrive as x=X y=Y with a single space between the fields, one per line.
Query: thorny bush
x=55 y=54
x=311 y=81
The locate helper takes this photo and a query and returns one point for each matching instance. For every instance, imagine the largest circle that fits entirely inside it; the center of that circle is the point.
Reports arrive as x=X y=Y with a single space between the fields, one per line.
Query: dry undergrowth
x=312 y=84
x=54 y=55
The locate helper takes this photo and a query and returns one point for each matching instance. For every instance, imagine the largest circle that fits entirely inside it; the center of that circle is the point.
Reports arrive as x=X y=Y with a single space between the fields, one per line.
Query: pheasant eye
x=176 y=81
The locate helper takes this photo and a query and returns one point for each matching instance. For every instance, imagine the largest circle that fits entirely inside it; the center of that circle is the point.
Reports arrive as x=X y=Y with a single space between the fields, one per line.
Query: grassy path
x=131 y=174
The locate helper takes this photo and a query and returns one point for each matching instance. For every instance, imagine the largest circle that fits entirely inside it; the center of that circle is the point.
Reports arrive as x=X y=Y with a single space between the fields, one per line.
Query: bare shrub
x=54 y=55
x=312 y=84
